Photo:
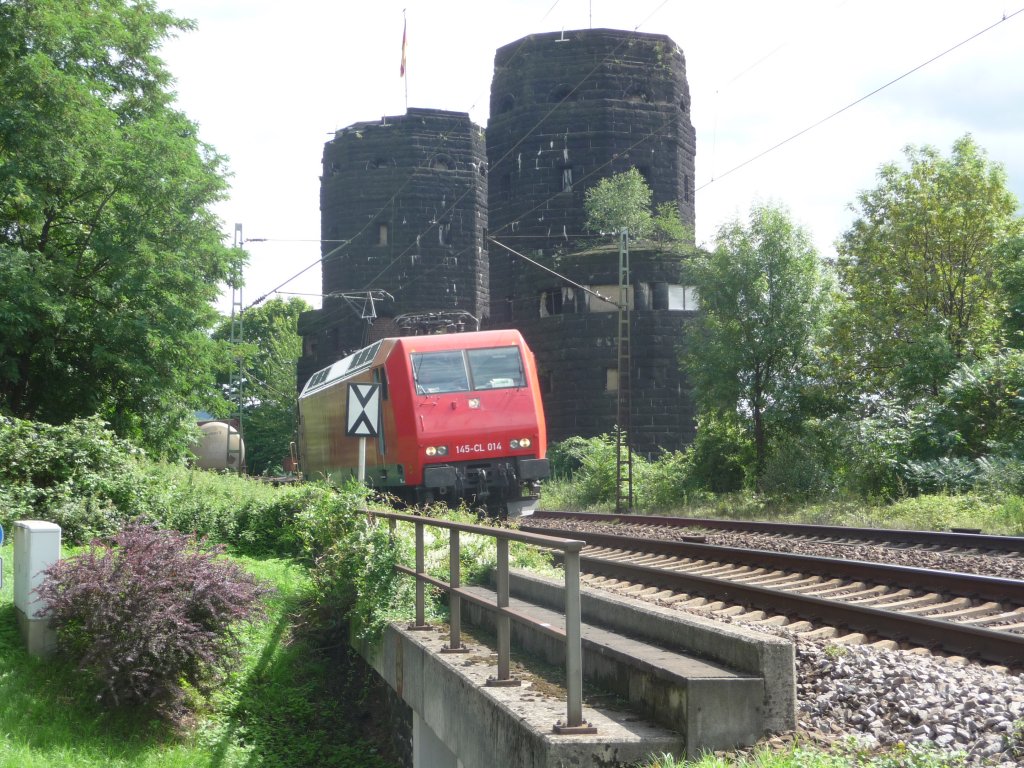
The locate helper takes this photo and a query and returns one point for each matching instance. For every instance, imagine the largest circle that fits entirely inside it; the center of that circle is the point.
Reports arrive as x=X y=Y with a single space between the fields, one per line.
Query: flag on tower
x=401 y=72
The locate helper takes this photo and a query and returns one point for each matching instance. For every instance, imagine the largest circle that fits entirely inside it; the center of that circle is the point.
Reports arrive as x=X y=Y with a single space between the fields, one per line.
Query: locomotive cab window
x=437 y=372
x=497 y=368
x=460 y=371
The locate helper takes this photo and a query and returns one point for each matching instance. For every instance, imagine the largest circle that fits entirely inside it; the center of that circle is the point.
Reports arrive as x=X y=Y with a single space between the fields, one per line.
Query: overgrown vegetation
x=680 y=483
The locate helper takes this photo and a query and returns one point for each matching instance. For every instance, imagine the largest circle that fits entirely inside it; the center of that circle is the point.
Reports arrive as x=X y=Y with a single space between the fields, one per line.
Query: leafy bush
x=982 y=403
x=78 y=475
x=589 y=464
x=353 y=559
x=796 y=470
x=721 y=455
x=872 y=450
x=566 y=456
x=665 y=484
x=148 y=611
x=252 y=516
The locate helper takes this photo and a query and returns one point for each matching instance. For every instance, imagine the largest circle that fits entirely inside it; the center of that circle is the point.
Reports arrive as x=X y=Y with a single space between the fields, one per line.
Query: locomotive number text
x=477 y=447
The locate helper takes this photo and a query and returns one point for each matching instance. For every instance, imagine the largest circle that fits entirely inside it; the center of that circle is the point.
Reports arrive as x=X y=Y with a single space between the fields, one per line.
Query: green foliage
x=920 y=265
x=79 y=475
x=622 y=201
x=982 y=404
x=875 y=450
x=761 y=757
x=270 y=400
x=290 y=703
x=592 y=463
x=663 y=484
x=848 y=755
x=667 y=227
x=1010 y=256
x=763 y=297
x=253 y=517
x=722 y=455
x=110 y=256
x=353 y=576
x=796 y=469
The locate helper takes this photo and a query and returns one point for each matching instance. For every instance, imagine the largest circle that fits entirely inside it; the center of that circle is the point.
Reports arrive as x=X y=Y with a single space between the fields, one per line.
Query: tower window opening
x=382 y=234
x=567 y=179
x=551 y=302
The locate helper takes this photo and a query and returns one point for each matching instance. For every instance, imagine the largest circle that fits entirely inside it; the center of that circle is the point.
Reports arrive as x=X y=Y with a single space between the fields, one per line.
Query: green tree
x=620 y=201
x=921 y=264
x=762 y=294
x=270 y=350
x=110 y=255
x=1011 y=280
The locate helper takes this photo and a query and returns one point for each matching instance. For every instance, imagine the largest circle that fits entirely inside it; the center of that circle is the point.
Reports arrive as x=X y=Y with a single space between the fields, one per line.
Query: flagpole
x=405 y=74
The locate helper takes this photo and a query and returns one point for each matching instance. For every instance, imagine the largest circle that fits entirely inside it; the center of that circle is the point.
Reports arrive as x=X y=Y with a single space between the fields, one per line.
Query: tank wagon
x=460 y=419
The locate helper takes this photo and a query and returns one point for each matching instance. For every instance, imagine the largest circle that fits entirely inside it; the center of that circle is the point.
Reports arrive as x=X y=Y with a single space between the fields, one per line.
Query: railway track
x=975 y=616
x=955 y=540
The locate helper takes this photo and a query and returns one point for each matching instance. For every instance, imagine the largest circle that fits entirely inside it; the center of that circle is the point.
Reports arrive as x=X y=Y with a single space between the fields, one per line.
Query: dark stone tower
x=568 y=110
x=403 y=208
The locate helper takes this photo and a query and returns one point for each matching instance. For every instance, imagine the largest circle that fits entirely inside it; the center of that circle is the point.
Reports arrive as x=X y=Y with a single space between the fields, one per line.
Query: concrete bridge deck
x=691 y=685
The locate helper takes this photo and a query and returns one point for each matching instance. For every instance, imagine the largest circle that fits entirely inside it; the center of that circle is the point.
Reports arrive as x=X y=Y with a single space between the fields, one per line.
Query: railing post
x=454 y=601
x=421 y=620
x=573 y=650
x=504 y=623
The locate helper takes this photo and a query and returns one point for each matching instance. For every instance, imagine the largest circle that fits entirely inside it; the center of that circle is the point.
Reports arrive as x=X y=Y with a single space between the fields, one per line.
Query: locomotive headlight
x=524 y=443
x=436 y=450
x=442 y=450
x=431 y=451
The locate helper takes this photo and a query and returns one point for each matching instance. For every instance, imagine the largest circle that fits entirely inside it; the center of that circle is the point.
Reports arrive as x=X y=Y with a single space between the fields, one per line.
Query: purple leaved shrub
x=147 y=611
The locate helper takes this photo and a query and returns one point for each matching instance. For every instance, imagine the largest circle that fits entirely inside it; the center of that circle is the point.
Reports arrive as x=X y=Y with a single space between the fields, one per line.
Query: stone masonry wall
x=567 y=110
x=409 y=195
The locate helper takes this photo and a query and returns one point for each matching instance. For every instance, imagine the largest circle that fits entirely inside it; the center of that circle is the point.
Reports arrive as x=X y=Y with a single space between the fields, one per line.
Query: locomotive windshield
x=463 y=370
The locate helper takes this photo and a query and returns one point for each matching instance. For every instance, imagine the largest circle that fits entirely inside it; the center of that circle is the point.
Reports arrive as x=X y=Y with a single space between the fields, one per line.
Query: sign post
x=362 y=416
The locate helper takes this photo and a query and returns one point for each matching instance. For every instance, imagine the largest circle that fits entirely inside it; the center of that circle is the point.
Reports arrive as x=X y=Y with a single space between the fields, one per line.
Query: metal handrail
x=573 y=641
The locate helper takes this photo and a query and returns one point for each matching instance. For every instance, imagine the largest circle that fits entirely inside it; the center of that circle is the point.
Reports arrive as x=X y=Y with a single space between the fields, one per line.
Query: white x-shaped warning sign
x=363 y=413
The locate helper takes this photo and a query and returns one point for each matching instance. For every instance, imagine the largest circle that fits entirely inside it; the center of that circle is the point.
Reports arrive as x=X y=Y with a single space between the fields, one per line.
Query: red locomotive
x=460 y=419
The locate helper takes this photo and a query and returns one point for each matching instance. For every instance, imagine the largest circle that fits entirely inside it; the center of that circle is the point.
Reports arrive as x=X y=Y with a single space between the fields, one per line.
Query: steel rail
x=893 y=536
x=974 y=642
x=960 y=584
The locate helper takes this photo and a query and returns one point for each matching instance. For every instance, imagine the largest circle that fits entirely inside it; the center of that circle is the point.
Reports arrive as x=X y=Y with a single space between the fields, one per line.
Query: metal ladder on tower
x=623 y=449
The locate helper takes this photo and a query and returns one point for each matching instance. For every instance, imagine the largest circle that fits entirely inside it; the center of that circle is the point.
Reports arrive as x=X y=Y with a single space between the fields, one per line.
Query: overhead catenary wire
x=795 y=136
x=865 y=97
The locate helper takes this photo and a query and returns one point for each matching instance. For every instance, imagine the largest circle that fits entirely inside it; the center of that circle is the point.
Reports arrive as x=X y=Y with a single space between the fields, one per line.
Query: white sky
x=269 y=83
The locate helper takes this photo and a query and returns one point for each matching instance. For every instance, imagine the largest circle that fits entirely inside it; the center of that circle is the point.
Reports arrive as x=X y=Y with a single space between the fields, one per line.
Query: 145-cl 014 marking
x=477 y=447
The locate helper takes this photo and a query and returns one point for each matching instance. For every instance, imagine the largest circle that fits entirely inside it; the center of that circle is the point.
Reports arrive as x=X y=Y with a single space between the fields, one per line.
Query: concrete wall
x=510 y=727
x=770 y=657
